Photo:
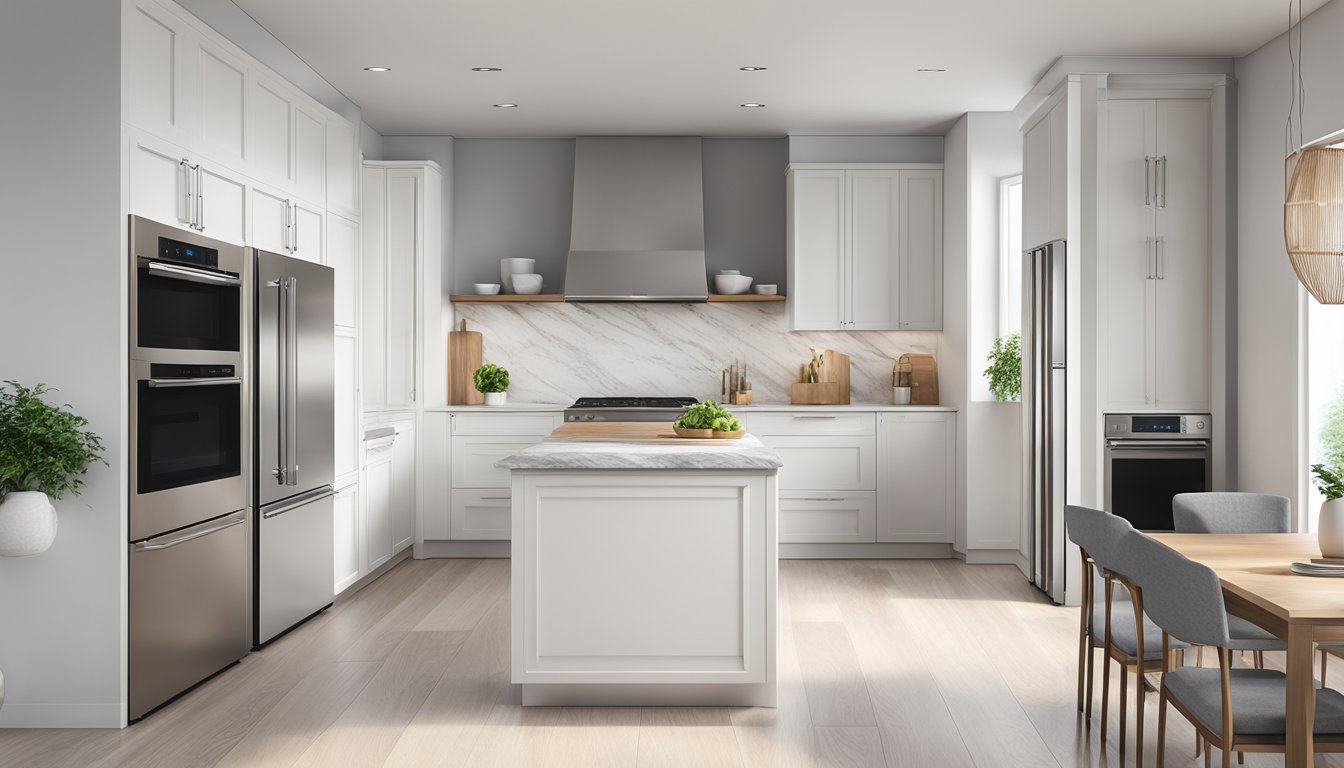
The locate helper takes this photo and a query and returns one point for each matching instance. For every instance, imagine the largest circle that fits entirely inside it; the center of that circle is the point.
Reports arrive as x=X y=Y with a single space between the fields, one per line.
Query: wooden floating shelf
x=505 y=298
x=717 y=297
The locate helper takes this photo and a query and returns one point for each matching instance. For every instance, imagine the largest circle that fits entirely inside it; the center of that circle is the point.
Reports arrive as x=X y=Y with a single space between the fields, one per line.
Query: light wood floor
x=881 y=663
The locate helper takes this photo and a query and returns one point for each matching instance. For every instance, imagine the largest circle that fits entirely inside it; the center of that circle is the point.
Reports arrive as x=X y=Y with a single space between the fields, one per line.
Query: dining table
x=1259 y=586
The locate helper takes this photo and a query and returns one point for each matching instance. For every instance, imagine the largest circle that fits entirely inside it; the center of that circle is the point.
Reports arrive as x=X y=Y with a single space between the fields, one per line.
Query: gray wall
x=865 y=149
x=745 y=205
x=62 y=633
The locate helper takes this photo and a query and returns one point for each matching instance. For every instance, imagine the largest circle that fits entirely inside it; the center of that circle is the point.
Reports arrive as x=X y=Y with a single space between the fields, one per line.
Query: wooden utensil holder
x=834 y=390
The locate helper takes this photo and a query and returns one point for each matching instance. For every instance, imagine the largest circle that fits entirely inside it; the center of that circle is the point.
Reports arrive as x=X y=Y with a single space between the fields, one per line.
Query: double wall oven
x=190 y=442
x=1151 y=457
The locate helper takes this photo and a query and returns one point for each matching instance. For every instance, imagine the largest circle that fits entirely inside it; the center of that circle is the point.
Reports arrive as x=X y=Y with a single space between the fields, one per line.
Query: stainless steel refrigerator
x=294 y=403
x=1044 y=411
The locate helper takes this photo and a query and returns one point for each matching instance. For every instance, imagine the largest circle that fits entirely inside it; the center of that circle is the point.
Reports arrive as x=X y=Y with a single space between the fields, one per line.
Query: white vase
x=27 y=524
x=1330 y=528
x=495 y=398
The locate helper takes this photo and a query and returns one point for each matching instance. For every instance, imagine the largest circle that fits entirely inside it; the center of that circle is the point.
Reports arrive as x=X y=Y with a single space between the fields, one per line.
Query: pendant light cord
x=1296 y=87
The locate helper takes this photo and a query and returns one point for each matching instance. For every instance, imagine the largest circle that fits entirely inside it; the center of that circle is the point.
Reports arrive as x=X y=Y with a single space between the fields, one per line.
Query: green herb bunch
x=709 y=415
x=1328 y=481
x=1005 y=367
x=491 y=378
x=43 y=447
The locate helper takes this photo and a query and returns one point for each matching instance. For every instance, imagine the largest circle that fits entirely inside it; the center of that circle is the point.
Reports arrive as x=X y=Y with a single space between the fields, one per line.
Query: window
x=1325 y=396
x=1010 y=254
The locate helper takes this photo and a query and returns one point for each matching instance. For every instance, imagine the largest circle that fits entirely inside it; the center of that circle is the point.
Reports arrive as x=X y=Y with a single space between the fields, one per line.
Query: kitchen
x=886 y=233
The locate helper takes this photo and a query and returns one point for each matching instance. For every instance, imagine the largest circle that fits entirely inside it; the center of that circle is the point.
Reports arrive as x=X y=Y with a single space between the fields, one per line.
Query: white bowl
x=486 y=289
x=729 y=272
x=731 y=283
x=766 y=290
x=527 y=284
x=510 y=267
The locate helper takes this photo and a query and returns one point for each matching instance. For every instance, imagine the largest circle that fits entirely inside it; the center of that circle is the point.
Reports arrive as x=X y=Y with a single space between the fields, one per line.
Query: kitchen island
x=644 y=568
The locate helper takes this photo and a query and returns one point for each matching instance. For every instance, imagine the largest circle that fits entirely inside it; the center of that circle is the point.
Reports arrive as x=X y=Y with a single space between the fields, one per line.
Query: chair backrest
x=1230 y=513
x=1181 y=596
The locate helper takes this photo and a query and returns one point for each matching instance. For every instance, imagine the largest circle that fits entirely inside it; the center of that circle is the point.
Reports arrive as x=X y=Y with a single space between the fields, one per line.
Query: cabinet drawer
x=832 y=463
x=505 y=423
x=481 y=514
x=833 y=423
x=822 y=517
x=474 y=458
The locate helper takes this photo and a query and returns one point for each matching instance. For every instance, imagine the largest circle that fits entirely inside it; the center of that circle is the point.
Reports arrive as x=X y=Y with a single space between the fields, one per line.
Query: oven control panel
x=1158 y=425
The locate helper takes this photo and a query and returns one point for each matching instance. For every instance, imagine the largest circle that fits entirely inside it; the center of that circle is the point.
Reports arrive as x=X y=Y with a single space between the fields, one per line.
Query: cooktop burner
x=634 y=402
x=628 y=408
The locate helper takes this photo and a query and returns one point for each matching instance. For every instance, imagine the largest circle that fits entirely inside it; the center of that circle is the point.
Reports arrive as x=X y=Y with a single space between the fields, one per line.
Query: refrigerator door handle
x=196 y=532
x=282 y=386
x=291 y=362
x=299 y=501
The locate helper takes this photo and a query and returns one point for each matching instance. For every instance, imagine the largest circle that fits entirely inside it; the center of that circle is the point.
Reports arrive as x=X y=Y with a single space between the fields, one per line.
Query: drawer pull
x=819 y=499
x=496 y=498
x=817 y=418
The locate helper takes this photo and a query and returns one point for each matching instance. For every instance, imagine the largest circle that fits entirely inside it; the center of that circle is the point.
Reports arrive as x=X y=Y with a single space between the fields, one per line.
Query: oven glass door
x=1140 y=483
x=187 y=433
x=185 y=307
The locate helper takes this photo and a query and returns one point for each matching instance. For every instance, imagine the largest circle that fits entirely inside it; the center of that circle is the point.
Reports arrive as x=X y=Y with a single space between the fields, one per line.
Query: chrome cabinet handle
x=188 y=205
x=818 y=498
x=1159 y=251
x=1148 y=267
x=817 y=418
x=1148 y=180
x=174 y=383
x=289 y=226
x=152 y=545
x=190 y=274
x=496 y=498
x=200 y=201
x=1162 y=174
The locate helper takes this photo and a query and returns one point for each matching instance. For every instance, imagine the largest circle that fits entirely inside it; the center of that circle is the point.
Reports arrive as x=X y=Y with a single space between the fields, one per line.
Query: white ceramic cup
x=510 y=267
x=529 y=284
x=900 y=395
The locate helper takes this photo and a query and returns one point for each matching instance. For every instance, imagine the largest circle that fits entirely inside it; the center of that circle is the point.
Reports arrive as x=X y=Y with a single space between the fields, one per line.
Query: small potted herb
x=44 y=453
x=708 y=419
x=1330 y=526
x=1005 y=367
x=492 y=381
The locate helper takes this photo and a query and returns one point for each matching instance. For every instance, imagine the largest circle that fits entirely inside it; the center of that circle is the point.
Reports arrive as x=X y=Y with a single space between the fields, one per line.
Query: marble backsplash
x=558 y=352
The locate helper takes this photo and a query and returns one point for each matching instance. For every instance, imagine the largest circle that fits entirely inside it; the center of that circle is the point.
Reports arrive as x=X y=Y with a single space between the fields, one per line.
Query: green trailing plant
x=43 y=447
x=1005 y=367
x=491 y=378
x=709 y=415
x=1328 y=481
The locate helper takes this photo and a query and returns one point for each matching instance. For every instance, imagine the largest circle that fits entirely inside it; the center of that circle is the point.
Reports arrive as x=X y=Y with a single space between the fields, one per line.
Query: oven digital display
x=186 y=253
x=1150 y=424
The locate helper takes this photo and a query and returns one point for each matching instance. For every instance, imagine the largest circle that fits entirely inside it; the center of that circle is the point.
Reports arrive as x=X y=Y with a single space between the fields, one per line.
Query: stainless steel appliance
x=1151 y=457
x=189 y=437
x=628 y=408
x=1044 y=412
x=295 y=442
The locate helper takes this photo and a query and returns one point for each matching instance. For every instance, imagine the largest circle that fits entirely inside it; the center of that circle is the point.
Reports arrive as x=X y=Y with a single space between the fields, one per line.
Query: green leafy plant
x=1328 y=481
x=1005 y=367
x=1332 y=429
x=709 y=415
x=491 y=378
x=43 y=447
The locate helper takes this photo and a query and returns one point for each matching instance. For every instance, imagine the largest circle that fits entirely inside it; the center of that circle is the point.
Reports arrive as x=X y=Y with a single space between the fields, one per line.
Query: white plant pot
x=27 y=524
x=1330 y=528
x=900 y=395
x=496 y=398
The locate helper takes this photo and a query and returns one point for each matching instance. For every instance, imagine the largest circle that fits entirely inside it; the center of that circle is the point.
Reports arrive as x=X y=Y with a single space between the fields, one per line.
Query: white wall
x=1269 y=299
x=865 y=149
x=61 y=613
x=953 y=374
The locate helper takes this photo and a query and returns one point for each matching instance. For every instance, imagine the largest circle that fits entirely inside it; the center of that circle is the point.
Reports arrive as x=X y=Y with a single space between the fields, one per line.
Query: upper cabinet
x=342 y=167
x=1044 y=175
x=288 y=135
x=865 y=247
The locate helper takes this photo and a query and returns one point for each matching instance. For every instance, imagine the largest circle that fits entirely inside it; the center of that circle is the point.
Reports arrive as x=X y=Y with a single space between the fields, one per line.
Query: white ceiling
x=670 y=67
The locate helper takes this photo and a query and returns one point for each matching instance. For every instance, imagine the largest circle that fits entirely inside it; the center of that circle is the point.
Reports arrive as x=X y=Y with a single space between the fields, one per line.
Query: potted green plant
x=44 y=452
x=1330 y=526
x=492 y=381
x=1005 y=367
x=708 y=419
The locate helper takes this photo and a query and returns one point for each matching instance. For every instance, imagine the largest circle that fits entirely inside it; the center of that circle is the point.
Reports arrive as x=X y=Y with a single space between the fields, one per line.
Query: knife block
x=834 y=390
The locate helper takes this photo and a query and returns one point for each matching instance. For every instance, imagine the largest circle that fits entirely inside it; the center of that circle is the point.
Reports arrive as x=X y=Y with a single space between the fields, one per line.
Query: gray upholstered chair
x=1233 y=709
x=1231 y=513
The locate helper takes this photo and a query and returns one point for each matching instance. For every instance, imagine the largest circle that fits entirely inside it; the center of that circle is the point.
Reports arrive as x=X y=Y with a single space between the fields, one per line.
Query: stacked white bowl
x=731 y=281
x=510 y=267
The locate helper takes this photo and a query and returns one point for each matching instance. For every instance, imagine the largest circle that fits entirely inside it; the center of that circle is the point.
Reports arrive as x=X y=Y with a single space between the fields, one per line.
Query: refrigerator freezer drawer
x=188 y=608
x=295 y=561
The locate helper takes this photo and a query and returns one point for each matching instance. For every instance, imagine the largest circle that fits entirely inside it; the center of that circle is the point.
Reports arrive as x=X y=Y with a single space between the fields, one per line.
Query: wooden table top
x=627 y=432
x=1254 y=567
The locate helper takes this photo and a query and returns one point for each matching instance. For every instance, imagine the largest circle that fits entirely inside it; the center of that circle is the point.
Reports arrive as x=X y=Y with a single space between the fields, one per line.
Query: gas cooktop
x=628 y=408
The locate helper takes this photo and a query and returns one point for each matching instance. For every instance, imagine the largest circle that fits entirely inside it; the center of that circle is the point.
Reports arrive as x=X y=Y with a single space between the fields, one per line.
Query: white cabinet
x=309 y=230
x=1154 y=253
x=402 y=523
x=1044 y=178
x=376 y=491
x=481 y=514
x=272 y=131
x=436 y=483
x=157 y=46
x=172 y=186
x=342 y=167
x=819 y=518
x=310 y=158
x=347 y=402
x=343 y=257
x=347 y=536
x=401 y=296
x=916 y=477
x=222 y=89
x=865 y=248
x=283 y=224
x=221 y=204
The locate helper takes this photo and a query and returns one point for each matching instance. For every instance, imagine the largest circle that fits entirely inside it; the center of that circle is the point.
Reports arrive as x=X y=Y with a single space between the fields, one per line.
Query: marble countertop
x=757 y=407
x=746 y=453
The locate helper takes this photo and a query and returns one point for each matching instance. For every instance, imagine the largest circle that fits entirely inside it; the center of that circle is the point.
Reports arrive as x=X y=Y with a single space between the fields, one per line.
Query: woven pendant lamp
x=1313 y=221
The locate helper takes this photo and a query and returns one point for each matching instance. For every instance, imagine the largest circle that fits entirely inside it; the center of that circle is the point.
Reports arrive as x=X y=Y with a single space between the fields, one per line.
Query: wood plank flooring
x=928 y=664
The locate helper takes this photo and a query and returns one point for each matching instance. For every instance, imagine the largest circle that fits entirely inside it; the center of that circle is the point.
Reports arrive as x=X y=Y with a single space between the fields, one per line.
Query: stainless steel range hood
x=638 y=228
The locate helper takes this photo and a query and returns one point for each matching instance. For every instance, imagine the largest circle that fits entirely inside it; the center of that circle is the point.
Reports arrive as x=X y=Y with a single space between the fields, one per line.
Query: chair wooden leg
x=1259 y=659
x=1241 y=758
x=1227 y=757
x=1199 y=656
x=1105 y=692
x=1091 y=673
x=1162 y=729
x=1208 y=755
x=1140 y=696
x=1199 y=745
x=1124 y=710
x=1324 y=656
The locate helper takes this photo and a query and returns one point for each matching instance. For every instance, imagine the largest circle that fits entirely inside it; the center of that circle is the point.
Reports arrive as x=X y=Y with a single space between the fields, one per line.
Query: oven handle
x=1136 y=445
x=170 y=383
x=151 y=545
x=191 y=274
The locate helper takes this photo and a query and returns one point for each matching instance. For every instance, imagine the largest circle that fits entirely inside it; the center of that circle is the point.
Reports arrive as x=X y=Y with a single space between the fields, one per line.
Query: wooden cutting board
x=923 y=378
x=464 y=357
x=627 y=432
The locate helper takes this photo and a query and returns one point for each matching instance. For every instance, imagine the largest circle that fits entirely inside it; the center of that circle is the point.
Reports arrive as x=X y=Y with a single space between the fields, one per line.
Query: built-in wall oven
x=1151 y=457
x=190 y=442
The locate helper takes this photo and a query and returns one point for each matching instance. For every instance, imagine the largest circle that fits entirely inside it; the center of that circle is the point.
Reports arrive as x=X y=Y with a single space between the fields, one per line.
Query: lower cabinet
x=482 y=514
x=843 y=517
x=401 y=521
x=347 y=536
x=377 y=492
x=916 y=477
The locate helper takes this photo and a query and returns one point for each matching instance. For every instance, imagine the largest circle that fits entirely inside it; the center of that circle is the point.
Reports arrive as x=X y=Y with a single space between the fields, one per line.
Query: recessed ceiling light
x=486 y=69
x=753 y=69
x=505 y=104
x=752 y=104
x=377 y=69
x=930 y=69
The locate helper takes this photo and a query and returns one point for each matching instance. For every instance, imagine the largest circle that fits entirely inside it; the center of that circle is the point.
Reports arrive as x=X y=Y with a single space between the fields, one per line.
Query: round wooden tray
x=707 y=434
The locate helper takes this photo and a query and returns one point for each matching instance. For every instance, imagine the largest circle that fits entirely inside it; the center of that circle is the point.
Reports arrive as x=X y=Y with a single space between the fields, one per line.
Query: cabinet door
x=343 y=256
x=874 y=282
x=270 y=220
x=373 y=285
x=404 y=200
x=342 y=161
x=1036 y=184
x=161 y=181
x=376 y=489
x=156 y=51
x=402 y=523
x=1125 y=251
x=1181 y=340
x=839 y=463
x=921 y=251
x=307 y=233
x=222 y=205
x=310 y=158
x=272 y=111
x=817 y=272
x=347 y=402
x=222 y=91
x=346 y=541
x=478 y=514
x=827 y=517
x=916 y=491
x=474 y=458
x=436 y=480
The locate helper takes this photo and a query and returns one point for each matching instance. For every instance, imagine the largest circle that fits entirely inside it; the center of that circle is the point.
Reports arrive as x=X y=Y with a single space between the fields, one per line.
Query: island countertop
x=638 y=445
